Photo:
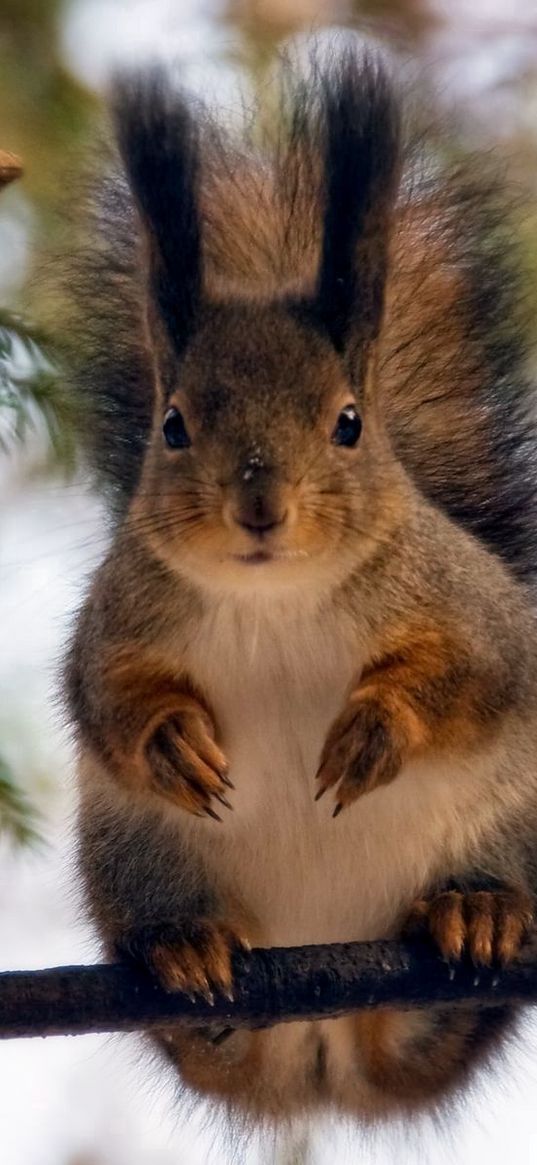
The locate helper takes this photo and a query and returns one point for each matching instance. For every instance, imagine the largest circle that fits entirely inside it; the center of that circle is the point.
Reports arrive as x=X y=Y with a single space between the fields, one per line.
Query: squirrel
x=304 y=679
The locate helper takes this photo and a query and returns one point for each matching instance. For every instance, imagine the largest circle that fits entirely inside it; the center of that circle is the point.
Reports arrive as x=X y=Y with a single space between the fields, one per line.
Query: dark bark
x=272 y=986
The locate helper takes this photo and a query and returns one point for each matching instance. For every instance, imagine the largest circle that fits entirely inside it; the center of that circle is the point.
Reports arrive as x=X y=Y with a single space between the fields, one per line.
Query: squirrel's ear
x=360 y=134
x=157 y=137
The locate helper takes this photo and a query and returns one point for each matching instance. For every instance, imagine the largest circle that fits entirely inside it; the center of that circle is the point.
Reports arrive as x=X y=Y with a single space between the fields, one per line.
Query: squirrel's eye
x=174 y=430
x=348 y=428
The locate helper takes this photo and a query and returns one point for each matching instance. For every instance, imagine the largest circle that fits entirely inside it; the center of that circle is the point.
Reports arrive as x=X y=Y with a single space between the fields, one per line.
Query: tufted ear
x=157 y=137
x=360 y=132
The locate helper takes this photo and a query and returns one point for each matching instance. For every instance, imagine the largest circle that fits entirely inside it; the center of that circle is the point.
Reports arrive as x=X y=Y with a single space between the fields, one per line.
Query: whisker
x=345 y=522
x=309 y=466
x=171 y=524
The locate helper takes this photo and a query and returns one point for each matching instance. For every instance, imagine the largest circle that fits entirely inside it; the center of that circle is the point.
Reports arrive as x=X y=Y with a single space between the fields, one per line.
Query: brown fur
x=361 y=632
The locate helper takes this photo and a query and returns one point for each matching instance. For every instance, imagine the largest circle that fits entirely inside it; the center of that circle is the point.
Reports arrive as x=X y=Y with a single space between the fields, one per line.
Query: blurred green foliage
x=30 y=392
x=46 y=118
x=45 y=114
x=18 y=818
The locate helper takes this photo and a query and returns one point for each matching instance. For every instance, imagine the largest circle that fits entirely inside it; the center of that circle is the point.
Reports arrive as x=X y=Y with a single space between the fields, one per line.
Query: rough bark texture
x=272 y=986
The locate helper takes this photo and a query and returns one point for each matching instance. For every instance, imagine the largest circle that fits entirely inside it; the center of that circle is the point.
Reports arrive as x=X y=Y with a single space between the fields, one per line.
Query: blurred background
x=93 y=1101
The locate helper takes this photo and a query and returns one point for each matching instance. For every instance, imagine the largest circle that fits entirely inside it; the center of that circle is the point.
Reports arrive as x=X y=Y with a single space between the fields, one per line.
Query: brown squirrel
x=304 y=680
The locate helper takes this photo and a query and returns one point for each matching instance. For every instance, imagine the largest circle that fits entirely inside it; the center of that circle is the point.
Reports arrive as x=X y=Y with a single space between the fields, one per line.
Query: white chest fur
x=276 y=680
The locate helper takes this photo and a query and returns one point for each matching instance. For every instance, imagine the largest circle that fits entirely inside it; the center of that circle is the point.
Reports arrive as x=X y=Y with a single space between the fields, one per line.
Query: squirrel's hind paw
x=195 y=957
x=489 y=926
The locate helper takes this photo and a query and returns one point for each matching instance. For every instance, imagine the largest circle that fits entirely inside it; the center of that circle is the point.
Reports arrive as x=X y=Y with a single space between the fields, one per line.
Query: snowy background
x=92 y=1100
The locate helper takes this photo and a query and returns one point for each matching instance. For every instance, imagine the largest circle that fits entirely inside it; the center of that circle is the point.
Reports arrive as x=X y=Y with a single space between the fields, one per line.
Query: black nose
x=258 y=515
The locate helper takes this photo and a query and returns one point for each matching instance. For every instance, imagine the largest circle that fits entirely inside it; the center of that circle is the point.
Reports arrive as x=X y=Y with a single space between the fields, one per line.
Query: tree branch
x=272 y=986
x=10 y=168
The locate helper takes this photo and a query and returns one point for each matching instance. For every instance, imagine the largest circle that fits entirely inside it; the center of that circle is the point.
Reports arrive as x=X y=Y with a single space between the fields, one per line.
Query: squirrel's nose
x=258 y=515
x=258 y=504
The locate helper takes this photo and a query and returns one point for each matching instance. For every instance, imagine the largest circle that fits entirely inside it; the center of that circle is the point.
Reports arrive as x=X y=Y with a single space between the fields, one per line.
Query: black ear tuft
x=157 y=137
x=360 y=131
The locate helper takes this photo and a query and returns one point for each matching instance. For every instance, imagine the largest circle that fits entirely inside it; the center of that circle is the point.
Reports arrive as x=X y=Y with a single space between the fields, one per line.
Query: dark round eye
x=174 y=430
x=348 y=428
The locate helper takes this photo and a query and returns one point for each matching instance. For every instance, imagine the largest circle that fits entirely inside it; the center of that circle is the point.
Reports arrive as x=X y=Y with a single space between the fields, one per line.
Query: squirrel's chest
x=275 y=682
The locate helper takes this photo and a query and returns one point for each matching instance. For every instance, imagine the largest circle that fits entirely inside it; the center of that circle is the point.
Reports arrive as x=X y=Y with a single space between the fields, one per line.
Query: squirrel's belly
x=305 y=876
x=308 y=877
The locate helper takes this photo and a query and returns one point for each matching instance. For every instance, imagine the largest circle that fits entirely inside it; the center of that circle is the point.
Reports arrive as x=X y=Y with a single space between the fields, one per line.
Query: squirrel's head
x=267 y=461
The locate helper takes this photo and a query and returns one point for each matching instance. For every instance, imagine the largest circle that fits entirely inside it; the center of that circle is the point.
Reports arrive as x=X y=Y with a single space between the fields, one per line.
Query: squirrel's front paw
x=194 y=956
x=361 y=752
x=186 y=765
x=489 y=926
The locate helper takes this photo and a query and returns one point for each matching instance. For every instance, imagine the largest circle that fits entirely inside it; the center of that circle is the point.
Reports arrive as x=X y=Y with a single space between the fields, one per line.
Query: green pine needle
x=30 y=391
x=18 y=817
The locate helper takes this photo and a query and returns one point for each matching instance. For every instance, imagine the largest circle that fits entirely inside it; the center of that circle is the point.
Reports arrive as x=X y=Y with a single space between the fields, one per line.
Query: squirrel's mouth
x=257 y=557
